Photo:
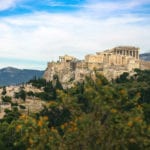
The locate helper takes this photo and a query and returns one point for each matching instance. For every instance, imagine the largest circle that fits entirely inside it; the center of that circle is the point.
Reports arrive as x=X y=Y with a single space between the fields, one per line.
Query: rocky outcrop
x=111 y=63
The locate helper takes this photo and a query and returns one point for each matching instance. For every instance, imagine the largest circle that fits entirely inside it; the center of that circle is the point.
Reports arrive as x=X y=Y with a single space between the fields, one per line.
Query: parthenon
x=127 y=51
x=121 y=55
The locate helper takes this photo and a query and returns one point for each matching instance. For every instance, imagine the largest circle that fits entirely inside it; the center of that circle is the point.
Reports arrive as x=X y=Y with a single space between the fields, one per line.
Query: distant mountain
x=13 y=76
x=145 y=56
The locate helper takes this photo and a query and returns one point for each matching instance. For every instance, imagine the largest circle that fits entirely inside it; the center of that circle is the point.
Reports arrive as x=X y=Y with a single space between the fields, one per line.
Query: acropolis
x=111 y=63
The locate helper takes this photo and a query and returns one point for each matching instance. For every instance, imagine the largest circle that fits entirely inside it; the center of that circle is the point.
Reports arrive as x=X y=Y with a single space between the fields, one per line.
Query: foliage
x=6 y=98
x=21 y=94
x=30 y=93
x=123 y=78
x=38 y=82
x=49 y=88
x=95 y=114
x=4 y=91
x=22 y=107
x=11 y=115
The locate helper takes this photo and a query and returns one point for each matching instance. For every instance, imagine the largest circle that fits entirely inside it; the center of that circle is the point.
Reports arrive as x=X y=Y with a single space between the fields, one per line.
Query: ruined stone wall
x=132 y=64
x=81 y=65
x=144 y=65
x=95 y=66
x=111 y=59
x=94 y=58
x=66 y=58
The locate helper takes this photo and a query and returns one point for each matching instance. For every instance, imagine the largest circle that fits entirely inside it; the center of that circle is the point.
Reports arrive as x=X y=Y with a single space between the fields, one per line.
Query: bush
x=6 y=98
x=22 y=107
x=21 y=94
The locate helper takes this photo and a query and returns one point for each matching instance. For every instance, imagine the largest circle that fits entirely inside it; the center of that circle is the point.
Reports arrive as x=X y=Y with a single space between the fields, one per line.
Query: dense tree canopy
x=95 y=114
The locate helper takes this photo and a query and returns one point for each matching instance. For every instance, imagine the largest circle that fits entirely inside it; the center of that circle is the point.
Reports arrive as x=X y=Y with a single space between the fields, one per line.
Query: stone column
x=132 y=53
x=120 y=52
x=108 y=58
x=127 y=52
x=137 y=55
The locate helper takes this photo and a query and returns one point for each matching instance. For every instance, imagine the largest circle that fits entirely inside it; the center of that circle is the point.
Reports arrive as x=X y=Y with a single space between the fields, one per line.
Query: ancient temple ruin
x=111 y=63
x=126 y=51
x=116 y=56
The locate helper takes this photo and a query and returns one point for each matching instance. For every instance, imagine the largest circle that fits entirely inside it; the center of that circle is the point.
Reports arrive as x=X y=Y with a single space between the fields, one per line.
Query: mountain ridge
x=13 y=76
x=145 y=56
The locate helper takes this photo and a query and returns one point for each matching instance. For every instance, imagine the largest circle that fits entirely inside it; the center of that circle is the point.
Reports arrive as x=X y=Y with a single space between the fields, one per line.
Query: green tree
x=6 y=98
x=21 y=94
x=4 y=91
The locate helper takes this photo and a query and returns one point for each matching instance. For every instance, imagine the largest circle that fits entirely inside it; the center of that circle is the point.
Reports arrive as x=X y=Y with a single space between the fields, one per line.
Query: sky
x=34 y=32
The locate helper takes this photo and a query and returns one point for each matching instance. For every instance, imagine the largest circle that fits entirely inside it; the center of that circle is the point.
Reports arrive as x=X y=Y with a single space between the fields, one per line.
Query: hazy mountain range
x=13 y=76
x=145 y=56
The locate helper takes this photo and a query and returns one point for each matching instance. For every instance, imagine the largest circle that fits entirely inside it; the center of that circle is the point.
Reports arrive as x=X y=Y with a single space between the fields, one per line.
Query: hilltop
x=111 y=63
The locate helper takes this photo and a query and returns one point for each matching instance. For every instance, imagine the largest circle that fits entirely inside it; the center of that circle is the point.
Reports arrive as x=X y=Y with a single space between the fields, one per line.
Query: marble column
x=137 y=55
x=121 y=52
x=134 y=54
x=125 y=52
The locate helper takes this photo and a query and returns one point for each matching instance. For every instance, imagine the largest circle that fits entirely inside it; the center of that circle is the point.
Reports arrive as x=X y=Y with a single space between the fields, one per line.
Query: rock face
x=111 y=63
x=144 y=65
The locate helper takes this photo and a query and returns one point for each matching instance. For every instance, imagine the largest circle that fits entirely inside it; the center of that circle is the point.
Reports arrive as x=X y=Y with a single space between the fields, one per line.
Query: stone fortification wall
x=144 y=65
x=111 y=63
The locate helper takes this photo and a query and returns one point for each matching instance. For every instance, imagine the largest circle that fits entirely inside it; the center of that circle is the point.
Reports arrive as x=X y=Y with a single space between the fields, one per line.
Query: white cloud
x=98 y=8
x=6 y=4
x=46 y=36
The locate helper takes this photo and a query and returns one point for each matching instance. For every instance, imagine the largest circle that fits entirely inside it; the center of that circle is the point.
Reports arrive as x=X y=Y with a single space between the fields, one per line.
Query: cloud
x=46 y=36
x=6 y=4
x=106 y=8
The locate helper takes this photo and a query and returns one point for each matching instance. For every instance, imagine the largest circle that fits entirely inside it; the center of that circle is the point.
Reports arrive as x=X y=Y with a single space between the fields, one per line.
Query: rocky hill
x=13 y=76
x=145 y=56
x=111 y=63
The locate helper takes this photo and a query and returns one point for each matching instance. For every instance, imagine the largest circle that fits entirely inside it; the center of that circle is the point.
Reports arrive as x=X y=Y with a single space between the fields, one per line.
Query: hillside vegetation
x=93 y=115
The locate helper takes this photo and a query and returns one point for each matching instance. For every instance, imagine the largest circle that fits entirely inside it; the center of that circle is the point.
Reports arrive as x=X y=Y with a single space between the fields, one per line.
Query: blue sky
x=33 y=32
